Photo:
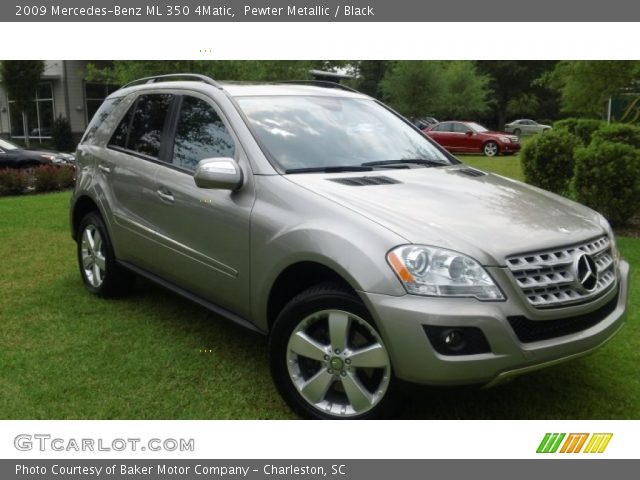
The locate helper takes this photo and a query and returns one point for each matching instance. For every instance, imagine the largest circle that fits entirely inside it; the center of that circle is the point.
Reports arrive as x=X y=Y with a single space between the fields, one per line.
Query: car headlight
x=604 y=223
x=49 y=158
x=438 y=272
x=505 y=139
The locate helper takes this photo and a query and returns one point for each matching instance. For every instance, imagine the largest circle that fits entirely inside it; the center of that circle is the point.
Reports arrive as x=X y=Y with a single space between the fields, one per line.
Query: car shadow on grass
x=563 y=391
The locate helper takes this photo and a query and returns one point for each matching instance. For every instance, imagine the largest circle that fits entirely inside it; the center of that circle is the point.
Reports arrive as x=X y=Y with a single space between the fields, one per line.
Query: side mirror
x=468 y=133
x=218 y=173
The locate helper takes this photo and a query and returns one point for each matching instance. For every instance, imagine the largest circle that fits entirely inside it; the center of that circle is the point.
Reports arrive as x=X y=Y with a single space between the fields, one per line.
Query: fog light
x=457 y=340
x=453 y=339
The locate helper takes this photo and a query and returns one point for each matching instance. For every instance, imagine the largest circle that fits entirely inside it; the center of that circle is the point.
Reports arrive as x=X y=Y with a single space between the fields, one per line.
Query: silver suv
x=318 y=216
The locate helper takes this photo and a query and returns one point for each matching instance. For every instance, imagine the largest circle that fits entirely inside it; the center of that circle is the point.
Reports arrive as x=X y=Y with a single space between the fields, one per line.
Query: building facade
x=63 y=91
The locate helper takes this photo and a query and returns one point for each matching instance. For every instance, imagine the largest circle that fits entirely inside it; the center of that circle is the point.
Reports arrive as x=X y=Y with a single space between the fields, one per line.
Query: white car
x=525 y=127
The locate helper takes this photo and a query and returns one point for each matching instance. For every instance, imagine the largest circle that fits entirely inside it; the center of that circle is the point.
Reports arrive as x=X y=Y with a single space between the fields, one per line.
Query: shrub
x=618 y=133
x=607 y=179
x=547 y=160
x=45 y=178
x=66 y=177
x=12 y=182
x=583 y=128
x=62 y=136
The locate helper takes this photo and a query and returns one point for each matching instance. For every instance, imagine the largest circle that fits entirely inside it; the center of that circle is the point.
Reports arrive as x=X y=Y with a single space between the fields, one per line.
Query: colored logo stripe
x=597 y=442
x=550 y=443
x=574 y=443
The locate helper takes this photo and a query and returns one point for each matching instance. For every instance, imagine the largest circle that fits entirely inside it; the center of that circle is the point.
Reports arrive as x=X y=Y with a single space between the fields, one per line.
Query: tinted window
x=119 y=137
x=143 y=132
x=443 y=127
x=148 y=122
x=460 y=128
x=101 y=115
x=200 y=134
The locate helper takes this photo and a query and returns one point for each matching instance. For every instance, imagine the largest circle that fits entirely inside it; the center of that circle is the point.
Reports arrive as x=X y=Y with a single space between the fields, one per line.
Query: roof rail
x=175 y=76
x=321 y=83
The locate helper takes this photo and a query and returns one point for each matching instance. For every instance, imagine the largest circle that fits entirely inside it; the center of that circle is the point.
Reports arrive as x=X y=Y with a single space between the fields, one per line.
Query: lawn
x=507 y=166
x=65 y=354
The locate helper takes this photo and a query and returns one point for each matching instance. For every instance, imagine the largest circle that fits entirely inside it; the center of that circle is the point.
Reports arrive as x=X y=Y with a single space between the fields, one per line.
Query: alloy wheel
x=93 y=256
x=491 y=149
x=338 y=363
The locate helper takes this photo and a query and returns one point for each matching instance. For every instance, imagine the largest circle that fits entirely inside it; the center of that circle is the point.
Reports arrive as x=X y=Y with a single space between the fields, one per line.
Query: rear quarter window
x=103 y=112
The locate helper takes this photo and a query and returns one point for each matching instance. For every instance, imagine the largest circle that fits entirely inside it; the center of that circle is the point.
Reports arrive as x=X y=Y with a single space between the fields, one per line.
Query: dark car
x=14 y=156
x=424 y=122
x=470 y=137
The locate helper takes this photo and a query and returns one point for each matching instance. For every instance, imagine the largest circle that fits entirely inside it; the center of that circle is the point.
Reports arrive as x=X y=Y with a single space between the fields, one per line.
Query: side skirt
x=212 y=307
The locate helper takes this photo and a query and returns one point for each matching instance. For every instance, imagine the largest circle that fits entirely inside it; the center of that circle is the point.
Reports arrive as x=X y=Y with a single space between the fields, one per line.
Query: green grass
x=506 y=166
x=65 y=354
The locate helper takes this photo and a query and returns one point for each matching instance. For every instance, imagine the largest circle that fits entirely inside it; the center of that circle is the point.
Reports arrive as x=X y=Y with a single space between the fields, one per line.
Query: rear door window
x=443 y=127
x=141 y=128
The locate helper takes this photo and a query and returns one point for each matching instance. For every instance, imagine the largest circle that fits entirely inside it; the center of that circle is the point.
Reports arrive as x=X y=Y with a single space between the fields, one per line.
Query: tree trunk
x=25 y=128
x=502 y=116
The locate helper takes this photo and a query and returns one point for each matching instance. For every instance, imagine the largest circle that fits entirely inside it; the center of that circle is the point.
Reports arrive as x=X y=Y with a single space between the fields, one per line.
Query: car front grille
x=548 y=278
x=529 y=331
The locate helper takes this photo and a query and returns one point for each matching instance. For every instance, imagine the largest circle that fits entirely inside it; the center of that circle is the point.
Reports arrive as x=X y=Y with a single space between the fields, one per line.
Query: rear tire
x=327 y=358
x=99 y=270
x=517 y=132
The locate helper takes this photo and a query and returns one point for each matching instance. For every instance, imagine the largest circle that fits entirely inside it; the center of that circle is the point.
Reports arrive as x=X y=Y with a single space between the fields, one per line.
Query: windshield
x=476 y=127
x=309 y=132
x=7 y=145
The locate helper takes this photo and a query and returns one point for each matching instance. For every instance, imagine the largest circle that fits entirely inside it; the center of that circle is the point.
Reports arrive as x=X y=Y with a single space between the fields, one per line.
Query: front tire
x=327 y=358
x=99 y=270
x=517 y=132
x=491 y=149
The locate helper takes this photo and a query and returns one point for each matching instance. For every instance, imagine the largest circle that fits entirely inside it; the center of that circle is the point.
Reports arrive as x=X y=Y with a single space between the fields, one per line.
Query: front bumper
x=401 y=321
x=510 y=147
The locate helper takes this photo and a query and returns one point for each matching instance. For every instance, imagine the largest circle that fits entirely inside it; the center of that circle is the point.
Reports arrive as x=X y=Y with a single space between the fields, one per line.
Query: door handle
x=104 y=168
x=165 y=195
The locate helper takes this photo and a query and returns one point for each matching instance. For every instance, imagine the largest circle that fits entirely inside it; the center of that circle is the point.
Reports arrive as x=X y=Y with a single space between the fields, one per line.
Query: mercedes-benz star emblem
x=586 y=272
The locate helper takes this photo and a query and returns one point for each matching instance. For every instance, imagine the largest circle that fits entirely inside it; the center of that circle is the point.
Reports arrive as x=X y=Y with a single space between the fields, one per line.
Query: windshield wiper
x=343 y=168
x=415 y=161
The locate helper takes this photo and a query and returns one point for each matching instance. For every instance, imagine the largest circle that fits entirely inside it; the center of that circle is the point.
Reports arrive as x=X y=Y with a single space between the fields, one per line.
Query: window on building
x=94 y=95
x=39 y=113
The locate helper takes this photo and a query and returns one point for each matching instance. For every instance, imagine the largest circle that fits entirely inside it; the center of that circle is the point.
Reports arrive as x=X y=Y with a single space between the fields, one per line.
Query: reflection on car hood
x=488 y=216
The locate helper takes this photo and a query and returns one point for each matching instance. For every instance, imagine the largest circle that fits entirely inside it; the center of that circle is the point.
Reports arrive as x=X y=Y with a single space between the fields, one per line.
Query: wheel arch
x=83 y=205
x=296 y=278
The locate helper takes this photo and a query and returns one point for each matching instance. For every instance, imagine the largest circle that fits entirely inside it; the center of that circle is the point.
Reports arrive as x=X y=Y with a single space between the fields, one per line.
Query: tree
x=466 y=91
x=62 y=135
x=414 y=88
x=438 y=88
x=20 y=79
x=515 y=87
x=369 y=75
x=124 y=71
x=586 y=85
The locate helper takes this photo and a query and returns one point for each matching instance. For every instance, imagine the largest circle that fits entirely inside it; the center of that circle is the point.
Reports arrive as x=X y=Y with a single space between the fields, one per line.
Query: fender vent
x=471 y=172
x=364 y=181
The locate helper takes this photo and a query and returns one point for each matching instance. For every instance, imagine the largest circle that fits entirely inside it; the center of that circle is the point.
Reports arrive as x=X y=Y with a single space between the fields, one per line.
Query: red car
x=469 y=137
